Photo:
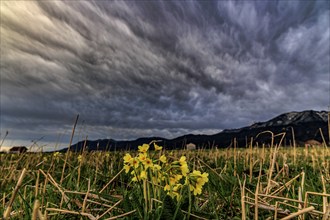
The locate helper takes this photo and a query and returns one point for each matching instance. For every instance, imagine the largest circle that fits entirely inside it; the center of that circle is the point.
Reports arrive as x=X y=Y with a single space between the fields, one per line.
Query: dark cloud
x=163 y=68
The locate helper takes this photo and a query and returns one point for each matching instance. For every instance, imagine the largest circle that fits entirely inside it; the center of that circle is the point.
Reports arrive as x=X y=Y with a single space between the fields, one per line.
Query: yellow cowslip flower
x=174 y=194
x=178 y=177
x=196 y=180
x=156 y=167
x=182 y=160
x=157 y=147
x=175 y=178
x=205 y=177
x=202 y=178
x=167 y=187
x=144 y=148
x=133 y=173
x=56 y=154
x=147 y=163
x=163 y=159
x=177 y=187
x=173 y=191
x=161 y=177
x=45 y=159
x=80 y=157
x=134 y=162
x=127 y=168
x=142 y=157
x=195 y=174
x=200 y=182
x=184 y=169
x=127 y=158
x=172 y=181
x=143 y=174
x=196 y=189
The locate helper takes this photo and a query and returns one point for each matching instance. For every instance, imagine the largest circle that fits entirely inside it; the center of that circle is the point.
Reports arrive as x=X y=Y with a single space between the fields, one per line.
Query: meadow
x=268 y=182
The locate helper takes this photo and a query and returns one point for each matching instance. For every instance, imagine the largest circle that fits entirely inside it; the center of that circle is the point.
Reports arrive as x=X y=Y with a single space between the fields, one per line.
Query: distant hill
x=306 y=126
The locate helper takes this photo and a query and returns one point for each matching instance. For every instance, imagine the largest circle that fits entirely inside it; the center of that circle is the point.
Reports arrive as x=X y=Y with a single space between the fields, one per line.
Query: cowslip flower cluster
x=159 y=170
x=142 y=163
x=196 y=181
x=80 y=158
x=56 y=156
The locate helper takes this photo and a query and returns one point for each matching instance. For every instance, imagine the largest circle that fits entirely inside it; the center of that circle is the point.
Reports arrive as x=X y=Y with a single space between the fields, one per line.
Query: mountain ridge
x=306 y=125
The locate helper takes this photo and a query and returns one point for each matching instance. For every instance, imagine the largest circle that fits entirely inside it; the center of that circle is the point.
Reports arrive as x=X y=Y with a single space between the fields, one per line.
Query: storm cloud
x=159 y=68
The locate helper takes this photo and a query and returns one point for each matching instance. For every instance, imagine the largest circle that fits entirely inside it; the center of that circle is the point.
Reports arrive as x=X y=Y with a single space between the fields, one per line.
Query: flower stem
x=189 y=207
x=145 y=197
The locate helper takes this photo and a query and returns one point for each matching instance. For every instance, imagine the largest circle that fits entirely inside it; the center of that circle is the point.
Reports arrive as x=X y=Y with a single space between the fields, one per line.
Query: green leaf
x=169 y=208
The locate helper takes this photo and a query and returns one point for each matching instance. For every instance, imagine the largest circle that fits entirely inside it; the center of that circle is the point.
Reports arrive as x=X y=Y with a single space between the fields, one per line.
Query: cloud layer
x=156 y=68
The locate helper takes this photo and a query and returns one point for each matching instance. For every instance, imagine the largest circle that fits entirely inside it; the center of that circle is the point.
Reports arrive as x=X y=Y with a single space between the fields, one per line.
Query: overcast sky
x=156 y=68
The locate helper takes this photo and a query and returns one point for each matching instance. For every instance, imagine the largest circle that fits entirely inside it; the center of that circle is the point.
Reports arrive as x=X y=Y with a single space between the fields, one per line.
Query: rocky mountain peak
x=294 y=118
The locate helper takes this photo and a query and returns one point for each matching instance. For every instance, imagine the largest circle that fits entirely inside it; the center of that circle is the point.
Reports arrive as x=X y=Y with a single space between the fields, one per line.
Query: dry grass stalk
x=235 y=158
x=316 y=194
x=122 y=215
x=313 y=193
x=37 y=184
x=300 y=200
x=205 y=204
x=295 y=214
x=96 y=172
x=251 y=160
x=303 y=177
x=193 y=215
x=54 y=183
x=271 y=167
x=276 y=207
x=99 y=203
x=260 y=200
x=41 y=216
x=63 y=211
x=4 y=200
x=44 y=190
x=323 y=140
x=242 y=187
x=287 y=204
x=279 y=173
x=35 y=209
x=81 y=162
x=285 y=198
x=286 y=185
x=94 y=196
x=257 y=193
x=111 y=180
x=326 y=216
x=325 y=199
x=109 y=210
x=210 y=168
x=270 y=208
x=294 y=147
x=86 y=196
x=68 y=151
x=18 y=185
x=256 y=202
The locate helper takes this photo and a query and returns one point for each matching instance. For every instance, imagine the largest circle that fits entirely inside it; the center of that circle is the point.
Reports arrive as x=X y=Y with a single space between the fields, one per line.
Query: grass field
x=253 y=183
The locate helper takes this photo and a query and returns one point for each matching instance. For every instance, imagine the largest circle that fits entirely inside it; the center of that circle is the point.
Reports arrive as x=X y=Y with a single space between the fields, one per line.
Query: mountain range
x=303 y=126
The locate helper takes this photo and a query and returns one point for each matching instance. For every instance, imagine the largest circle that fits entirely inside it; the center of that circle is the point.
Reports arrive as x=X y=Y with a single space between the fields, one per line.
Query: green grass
x=233 y=174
